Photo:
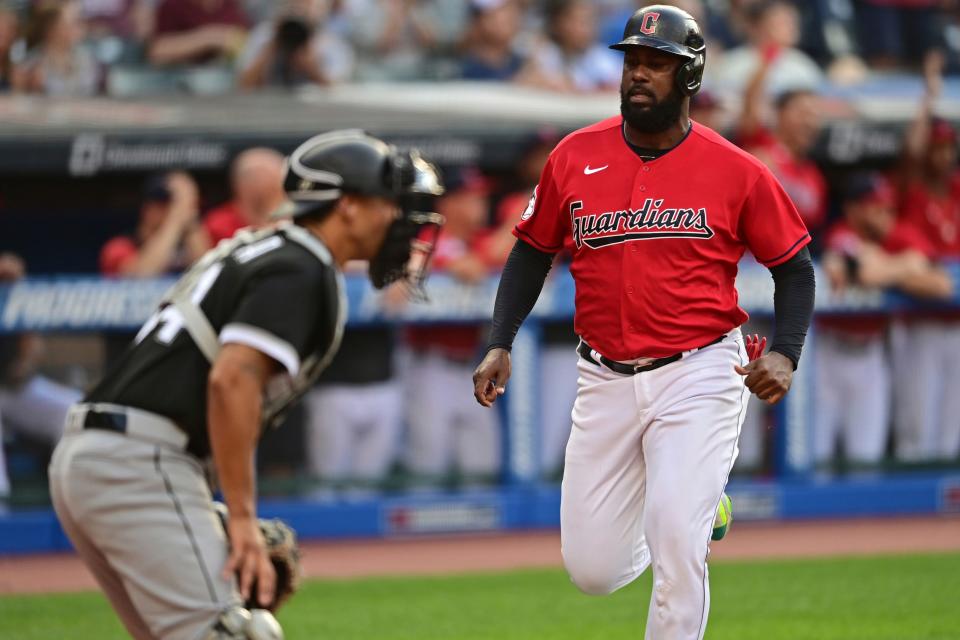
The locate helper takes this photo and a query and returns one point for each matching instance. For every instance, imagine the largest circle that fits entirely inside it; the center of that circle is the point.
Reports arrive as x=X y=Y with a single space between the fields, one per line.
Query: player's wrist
x=788 y=357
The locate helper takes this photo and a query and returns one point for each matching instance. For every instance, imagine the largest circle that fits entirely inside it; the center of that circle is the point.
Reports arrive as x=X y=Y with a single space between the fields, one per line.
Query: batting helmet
x=672 y=30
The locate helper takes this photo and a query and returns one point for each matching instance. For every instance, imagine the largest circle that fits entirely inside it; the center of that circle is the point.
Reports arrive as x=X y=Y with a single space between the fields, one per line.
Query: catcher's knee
x=237 y=623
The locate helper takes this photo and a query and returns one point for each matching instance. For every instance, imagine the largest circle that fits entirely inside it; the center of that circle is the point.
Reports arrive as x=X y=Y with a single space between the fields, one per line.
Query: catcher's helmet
x=326 y=166
x=672 y=30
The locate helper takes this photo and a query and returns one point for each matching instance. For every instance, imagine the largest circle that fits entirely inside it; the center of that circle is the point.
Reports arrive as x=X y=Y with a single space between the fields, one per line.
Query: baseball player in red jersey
x=657 y=211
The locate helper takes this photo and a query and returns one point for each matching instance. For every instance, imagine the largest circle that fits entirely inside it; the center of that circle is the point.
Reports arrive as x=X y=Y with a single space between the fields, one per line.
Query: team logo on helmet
x=649 y=24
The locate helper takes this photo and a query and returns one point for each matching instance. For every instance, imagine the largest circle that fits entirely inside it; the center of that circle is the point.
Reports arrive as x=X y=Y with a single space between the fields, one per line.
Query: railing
x=93 y=304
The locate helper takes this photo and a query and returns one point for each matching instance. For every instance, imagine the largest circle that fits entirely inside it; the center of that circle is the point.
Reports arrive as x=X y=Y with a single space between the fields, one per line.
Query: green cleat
x=721 y=524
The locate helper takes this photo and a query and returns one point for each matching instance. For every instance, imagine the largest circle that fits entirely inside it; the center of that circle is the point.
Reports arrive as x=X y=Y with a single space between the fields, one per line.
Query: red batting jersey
x=656 y=244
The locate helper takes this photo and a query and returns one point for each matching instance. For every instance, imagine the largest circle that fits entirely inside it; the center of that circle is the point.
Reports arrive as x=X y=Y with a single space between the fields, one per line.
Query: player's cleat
x=724 y=518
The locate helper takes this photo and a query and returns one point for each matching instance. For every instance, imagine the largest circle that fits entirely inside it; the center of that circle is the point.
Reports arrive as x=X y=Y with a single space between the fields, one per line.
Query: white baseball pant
x=37 y=408
x=926 y=365
x=354 y=430
x=447 y=428
x=852 y=398
x=646 y=465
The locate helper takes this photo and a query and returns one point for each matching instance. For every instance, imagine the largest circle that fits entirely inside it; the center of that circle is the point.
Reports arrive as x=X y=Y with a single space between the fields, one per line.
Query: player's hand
x=224 y=38
x=491 y=375
x=185 y=197
x=768 y=377
x=249 y=560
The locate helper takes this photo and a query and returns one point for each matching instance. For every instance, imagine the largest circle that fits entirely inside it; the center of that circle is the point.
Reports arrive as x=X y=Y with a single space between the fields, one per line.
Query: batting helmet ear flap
x=690 y=73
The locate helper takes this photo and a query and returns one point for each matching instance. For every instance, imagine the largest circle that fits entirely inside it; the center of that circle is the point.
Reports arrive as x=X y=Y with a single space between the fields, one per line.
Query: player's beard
x=655 y=118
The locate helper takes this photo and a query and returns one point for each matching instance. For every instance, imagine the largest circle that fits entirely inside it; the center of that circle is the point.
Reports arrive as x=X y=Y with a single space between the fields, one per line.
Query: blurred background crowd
x=395 y=409
x=130 y=47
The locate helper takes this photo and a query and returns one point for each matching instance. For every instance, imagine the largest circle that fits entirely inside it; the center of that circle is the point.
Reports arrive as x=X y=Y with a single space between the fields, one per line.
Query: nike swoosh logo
x=587 y=171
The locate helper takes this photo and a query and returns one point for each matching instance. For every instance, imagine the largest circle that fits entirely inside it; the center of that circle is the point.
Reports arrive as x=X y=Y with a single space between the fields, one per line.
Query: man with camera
x=295 y=48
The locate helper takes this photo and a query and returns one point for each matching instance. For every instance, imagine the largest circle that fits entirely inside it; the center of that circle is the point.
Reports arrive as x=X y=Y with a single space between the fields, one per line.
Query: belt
x=588 y=354
x=136 y=423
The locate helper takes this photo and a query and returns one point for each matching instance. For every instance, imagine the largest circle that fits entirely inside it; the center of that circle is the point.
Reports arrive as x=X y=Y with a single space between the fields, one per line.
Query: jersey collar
x=636 y=150
x=308 y=241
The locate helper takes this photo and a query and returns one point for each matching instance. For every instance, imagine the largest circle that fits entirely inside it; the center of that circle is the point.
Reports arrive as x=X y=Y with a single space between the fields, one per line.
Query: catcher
x=236 y=341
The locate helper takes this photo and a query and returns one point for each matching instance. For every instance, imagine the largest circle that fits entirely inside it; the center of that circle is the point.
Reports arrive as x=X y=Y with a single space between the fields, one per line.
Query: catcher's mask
x=406 y=251
x=325 y=167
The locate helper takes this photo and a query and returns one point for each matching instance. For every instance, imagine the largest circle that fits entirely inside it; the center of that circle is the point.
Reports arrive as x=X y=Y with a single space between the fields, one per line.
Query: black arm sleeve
x=520 y=285
x=794 y=292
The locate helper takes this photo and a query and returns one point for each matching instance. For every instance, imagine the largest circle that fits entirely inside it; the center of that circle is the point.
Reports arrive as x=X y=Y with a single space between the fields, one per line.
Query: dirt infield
x=500 y=552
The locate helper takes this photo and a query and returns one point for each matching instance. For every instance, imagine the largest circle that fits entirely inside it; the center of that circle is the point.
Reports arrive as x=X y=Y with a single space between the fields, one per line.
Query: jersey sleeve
x=116 y=254
x=905 y=236
x=277 y=315
x=769 y=224
x=543 y=224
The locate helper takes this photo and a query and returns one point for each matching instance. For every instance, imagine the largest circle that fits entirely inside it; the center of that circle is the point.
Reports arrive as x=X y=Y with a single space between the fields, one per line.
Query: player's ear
x=348 y=207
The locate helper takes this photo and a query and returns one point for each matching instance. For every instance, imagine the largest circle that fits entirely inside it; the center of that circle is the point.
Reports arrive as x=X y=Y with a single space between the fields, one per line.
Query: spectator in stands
x=868 y=248
x=786 y=148
x=446 y=432
x=404 y=39
x=707 y=109
x=256 y=179
x=168 y=237
x=774 y=30
x=197 y=31
x=56 y=63
x=29 y=403
x=490 y=50
x=927 y=345
x=571 y=60
x=130 y=20
x=9 y=32
x=295 y=48
x=897 y=32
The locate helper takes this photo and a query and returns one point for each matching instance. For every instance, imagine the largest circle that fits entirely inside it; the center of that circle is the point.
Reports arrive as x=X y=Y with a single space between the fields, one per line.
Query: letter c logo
x=649 y=24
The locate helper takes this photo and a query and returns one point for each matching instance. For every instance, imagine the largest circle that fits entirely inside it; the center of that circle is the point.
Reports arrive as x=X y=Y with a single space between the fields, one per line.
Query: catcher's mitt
x=281 y=543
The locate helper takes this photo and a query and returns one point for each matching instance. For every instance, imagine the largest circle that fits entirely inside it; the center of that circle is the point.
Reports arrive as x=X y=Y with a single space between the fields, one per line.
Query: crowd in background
x=401 y=398
x=129 y=47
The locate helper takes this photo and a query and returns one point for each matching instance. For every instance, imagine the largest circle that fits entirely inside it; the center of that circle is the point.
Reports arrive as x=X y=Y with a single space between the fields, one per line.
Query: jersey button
x=643 y=188
x=646 y=168
x=630 y=290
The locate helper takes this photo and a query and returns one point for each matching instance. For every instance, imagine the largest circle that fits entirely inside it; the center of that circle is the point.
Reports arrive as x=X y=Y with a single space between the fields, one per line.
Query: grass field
x=883 y=598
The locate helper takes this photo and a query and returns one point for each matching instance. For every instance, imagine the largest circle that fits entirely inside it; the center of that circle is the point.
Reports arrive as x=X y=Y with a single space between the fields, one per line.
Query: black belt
x=106 y=420
x=131 y=421
x=586 y=351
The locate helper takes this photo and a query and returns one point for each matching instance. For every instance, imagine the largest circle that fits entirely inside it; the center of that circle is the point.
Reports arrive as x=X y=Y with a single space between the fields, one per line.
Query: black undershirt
x=527 y=269
x=646 y=154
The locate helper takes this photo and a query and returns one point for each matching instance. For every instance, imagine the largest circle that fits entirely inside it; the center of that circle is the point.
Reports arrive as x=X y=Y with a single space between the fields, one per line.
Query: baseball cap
x=704 y=99
x=868 y=187
x=466 y=178
x=942 y=132
x=155 y=189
